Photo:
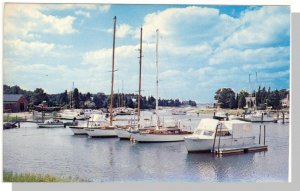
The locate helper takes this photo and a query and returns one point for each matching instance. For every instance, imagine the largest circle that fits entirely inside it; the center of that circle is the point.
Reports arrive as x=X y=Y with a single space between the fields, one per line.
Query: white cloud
x=83 y=13
x=251 y=58
x=189 y=25
x=122 y=30
x=20 y=22
x=26 y=49
x=104 y=8
x=261 y=27
x=19 y=47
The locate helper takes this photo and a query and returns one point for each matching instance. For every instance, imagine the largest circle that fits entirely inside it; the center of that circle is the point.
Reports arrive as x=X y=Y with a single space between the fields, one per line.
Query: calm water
x=58 y=152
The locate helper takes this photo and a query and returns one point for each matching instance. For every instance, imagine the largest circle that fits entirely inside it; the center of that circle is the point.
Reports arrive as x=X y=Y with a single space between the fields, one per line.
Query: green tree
x=274 y=100
x=242 y=99
x=63 y=98
x=76 y=98
x=225 y=96
x=39 y=95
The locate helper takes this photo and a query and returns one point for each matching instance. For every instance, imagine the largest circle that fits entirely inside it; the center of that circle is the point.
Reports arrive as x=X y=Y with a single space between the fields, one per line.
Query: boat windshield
x=208 y=133
x=203 y=132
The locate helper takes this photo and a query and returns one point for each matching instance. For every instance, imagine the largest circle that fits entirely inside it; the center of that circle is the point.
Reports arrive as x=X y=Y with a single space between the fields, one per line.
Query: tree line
x=76 y=99
x=228 y=99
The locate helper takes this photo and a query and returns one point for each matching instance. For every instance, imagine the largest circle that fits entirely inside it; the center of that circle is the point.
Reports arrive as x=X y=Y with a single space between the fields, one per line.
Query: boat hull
x=51 y=125
x=101 y=132
x=78 y=130
x=152 y=138
x=123 y=133
x=194 y=144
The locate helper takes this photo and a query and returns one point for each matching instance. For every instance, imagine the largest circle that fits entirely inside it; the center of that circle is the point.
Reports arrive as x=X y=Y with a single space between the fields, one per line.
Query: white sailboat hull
x=123 y=133
x=94 y=132
x=78 y=131
x=196 y=144
x=144 y=137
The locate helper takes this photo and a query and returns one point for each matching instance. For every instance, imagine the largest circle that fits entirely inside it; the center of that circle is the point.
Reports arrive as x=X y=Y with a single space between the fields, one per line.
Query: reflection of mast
x=112 y=74
x=140 y=78
x=156 y=103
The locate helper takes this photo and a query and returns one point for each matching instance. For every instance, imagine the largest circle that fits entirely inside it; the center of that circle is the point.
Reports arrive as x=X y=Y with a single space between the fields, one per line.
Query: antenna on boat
x=156 y=101
x=140 y=78
x=112 y=74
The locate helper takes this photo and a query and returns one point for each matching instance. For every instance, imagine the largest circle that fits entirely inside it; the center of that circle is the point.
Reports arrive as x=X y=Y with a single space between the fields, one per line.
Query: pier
x=237 y=150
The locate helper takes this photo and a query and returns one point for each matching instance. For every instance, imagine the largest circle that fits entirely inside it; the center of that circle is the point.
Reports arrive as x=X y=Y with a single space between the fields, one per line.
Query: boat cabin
x=234 y=128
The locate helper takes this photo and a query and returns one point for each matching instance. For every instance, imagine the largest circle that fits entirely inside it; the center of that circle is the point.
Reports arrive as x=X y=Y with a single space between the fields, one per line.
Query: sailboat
x=133 y=127
x=161 y=133
x=107 y=130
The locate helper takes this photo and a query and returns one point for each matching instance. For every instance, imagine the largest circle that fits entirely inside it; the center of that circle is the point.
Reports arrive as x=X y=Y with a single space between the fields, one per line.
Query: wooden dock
x=236 y=150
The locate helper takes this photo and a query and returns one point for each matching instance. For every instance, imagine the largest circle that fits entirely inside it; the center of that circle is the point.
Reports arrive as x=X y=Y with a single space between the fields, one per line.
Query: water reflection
x=58 y=152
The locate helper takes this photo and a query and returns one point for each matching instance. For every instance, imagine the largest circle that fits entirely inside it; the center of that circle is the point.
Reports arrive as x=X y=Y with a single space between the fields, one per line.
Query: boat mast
x=112 y=74
x=140 y=79
x=156 y=100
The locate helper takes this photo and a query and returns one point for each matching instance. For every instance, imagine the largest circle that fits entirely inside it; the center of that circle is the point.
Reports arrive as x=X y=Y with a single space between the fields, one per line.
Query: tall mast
x=123 y=104
x=112 y=74
x=156 y=100
x=249 y=85
x=140 y=79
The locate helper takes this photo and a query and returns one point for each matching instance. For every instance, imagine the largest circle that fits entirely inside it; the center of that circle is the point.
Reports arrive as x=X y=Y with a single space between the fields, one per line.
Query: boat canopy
x=238 y=128
x=208 y=124
x=97 y=118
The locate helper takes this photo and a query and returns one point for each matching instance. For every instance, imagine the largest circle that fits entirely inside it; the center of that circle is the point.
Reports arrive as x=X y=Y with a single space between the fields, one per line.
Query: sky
x=201 y=48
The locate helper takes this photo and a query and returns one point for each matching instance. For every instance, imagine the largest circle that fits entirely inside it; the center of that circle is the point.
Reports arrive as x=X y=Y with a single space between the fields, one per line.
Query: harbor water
x=58 y=152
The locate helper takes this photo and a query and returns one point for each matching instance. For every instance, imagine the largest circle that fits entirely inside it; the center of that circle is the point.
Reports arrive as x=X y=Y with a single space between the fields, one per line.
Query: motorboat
x=220 y=115
x=71 y=115
x=51 y=123
x=95 y=121
x=212 y=133
x=259 y=116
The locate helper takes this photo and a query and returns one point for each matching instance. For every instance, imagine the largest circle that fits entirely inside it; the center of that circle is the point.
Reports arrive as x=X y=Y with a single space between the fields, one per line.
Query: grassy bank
x=30 y=177
x=8 y=118
x=212 y=110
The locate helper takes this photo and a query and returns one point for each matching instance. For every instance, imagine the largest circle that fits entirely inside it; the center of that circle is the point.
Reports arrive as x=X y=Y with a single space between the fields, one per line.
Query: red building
x=15 y=103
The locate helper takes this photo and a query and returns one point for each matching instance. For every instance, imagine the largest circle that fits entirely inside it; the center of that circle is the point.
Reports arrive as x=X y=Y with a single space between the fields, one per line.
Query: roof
x=11 y=97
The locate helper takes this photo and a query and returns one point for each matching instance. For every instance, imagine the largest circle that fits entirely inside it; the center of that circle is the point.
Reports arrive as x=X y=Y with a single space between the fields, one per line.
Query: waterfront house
x=15 y=103
x=285 y=103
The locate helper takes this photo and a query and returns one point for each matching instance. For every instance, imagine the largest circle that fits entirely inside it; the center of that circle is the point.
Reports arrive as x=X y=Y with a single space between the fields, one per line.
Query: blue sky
x=201 y=49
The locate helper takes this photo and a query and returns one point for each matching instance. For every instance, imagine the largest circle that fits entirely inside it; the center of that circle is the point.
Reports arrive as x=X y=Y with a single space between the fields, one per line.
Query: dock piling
x=215 y=138
x=219 y=139
x=259 y=134
x=264 y=134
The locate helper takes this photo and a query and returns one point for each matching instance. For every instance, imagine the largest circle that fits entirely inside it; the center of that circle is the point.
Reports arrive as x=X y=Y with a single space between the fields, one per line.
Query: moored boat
x=161 y=132
x=212 y=133
x=51 y=123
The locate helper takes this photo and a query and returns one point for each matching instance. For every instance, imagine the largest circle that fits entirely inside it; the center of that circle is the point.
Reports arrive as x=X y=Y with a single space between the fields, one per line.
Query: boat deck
x=245 y=149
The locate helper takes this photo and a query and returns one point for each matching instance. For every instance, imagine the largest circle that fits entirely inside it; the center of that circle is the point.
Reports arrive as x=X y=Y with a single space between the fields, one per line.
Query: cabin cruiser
x=72 y=114
x=80 y=127
x=212 y=133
